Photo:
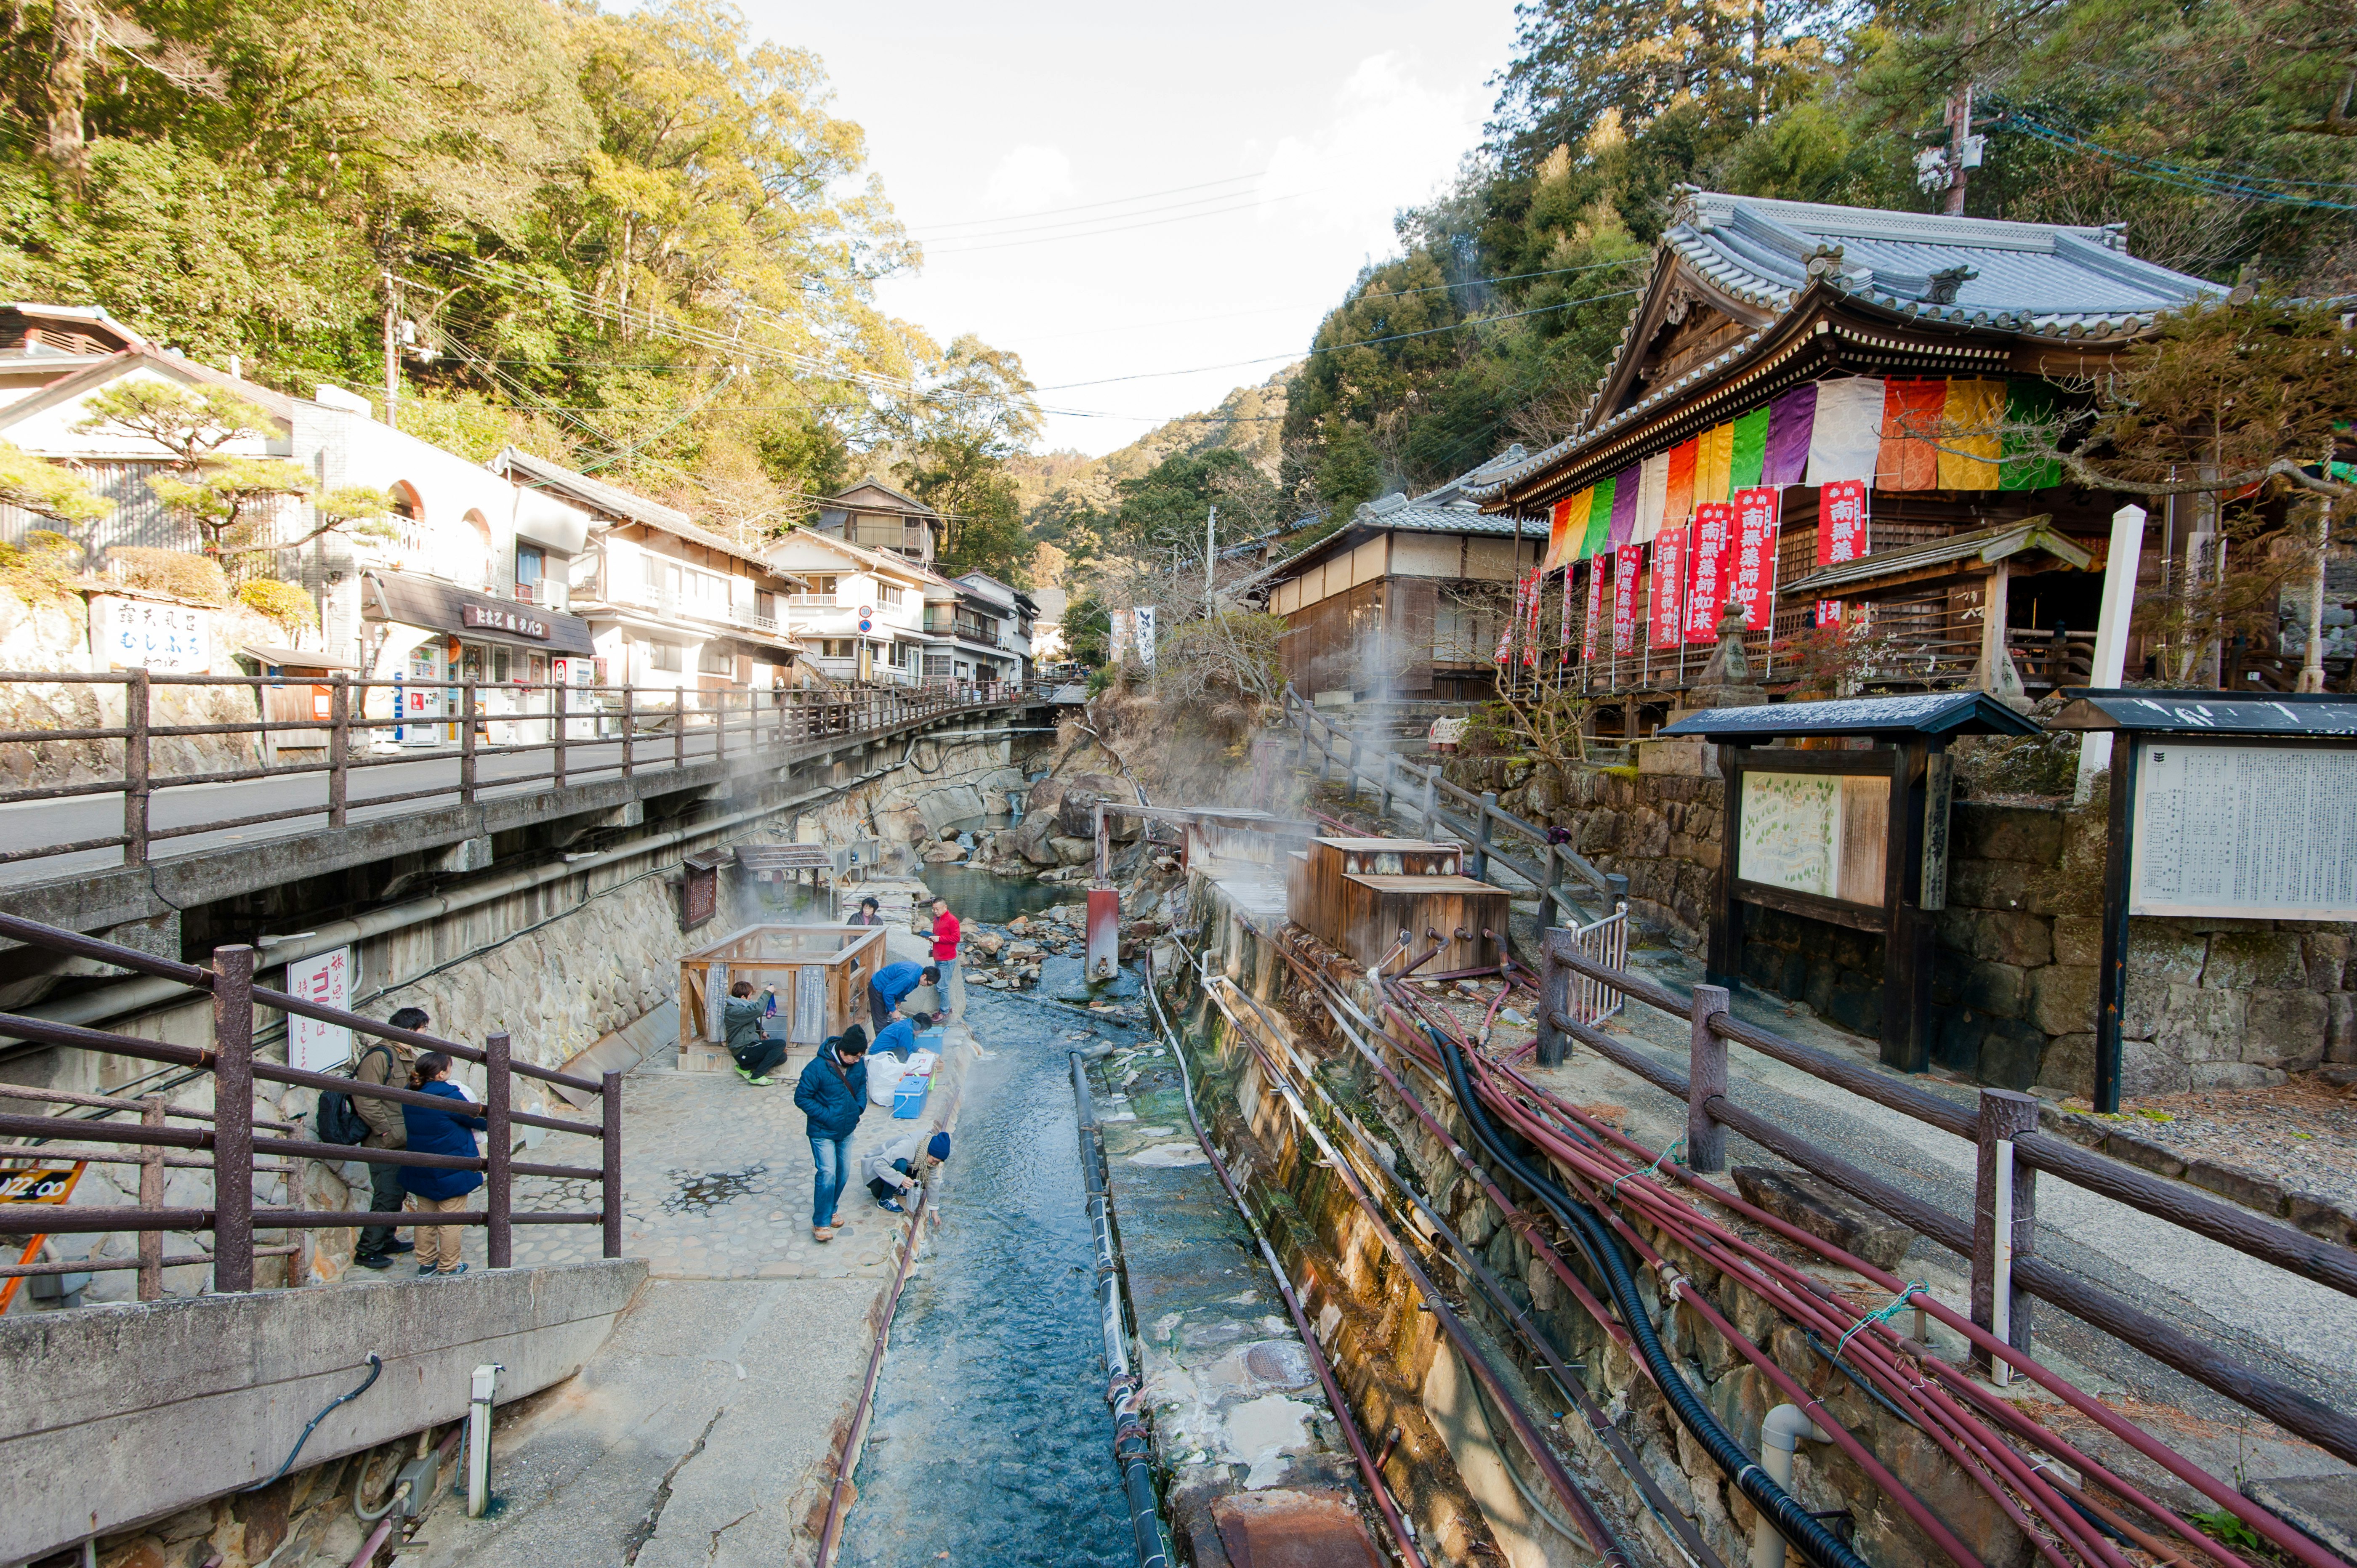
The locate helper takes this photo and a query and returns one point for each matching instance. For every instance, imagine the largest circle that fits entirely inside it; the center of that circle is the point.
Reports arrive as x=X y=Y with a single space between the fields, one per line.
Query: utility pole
x=1211 y=536
x=1963 y=148
x=391 y=352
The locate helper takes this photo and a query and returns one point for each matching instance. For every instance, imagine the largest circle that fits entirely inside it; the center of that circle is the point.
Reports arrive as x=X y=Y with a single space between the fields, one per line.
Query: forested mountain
x=636 y=241
x=2219 y=132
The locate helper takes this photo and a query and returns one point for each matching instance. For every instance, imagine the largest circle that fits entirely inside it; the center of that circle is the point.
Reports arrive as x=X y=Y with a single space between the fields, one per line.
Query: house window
x=824 y=584
x=841 y=647
x=663 y=656
x=714 y=658
x=530 y=564
x=887 y=593
x=899 y=655
x=765 y=603
x=653 y=566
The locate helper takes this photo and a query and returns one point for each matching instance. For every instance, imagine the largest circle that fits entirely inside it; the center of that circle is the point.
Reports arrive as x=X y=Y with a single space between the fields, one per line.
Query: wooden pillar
x=1706 y=1078
x=232 y=1119
x=1907 y=935
x=1555 y=996
x=2006 y=1189
x=1723 y=956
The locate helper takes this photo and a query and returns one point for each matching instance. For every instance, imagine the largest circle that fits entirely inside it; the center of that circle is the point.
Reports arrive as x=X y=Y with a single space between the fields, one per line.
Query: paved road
x=2294 y=1330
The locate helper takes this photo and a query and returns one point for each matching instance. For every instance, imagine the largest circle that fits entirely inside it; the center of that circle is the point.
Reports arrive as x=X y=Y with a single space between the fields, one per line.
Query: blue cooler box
x=908 y=1096
x=933 y=1040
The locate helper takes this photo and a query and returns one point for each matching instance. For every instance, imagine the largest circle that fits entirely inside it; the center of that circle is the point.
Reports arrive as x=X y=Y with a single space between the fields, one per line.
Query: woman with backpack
x=832 y=1093
x=439 y=1188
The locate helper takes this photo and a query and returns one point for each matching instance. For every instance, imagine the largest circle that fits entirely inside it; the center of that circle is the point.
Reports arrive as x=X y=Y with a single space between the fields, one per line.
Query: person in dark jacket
x=832 y=1093
x=746 y=1022
x=893 y=982
x=870 y=913
x=438 y=1188
x=387 y=1062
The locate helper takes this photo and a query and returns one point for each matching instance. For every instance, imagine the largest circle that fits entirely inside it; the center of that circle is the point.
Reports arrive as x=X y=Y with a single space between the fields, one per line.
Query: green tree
x=1087 y=626
x=46 y=489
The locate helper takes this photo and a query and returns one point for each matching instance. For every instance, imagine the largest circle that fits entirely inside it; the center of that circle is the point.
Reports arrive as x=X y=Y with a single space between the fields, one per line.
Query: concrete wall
x=118 y=1415
x=2217 y=1004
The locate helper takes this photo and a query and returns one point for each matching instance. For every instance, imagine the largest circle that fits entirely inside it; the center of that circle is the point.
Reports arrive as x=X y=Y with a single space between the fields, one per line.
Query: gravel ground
x=2303 y=1132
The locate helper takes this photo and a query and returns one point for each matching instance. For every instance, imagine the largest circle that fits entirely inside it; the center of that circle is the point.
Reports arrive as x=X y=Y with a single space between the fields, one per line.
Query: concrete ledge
x=112 y=1415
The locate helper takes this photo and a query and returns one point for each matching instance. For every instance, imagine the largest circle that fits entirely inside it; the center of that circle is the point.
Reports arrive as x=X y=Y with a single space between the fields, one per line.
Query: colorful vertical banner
x=1752 y=583
x=1973 y=416
x=1666 y=593
x=1599 y=520
x=1678 y=485
x=1714 y=465
x=1913 y=414
x=2025 y=463
x=1748 y=450
x=1506 y=628
x=1564 y=530
x=1595 y=611
x=1538 y=596
x=1623 y=521
x=1841 y=534
x=1624 y=600
x=1713 y=525
x=1845 y=433
x=1792 y=420
x=1652 y=499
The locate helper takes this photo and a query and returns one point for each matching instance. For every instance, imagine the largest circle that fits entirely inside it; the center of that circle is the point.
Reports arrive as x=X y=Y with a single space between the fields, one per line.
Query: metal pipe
x=856 y=1434
x=374 y=1543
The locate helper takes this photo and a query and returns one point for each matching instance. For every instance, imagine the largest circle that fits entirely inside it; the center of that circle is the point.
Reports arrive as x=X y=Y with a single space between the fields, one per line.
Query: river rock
x=1073 y=851
x=989 y=942
x=1018 y=926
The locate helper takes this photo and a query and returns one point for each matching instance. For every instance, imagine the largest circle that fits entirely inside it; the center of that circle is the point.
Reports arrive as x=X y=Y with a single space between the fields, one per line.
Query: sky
x=1125 y=191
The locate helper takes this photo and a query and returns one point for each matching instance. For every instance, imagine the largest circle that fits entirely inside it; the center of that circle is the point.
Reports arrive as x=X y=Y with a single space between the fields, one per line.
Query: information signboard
x=2242 y=831
x=1820 y=833
x=327 y=979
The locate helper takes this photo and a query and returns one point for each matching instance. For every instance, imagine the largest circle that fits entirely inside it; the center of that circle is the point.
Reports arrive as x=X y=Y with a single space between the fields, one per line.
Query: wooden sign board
x=2244 y=829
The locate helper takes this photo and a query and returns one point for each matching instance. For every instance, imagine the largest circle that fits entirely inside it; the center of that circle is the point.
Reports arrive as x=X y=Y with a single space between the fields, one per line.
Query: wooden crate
x=1357 y=895
x=838 y=960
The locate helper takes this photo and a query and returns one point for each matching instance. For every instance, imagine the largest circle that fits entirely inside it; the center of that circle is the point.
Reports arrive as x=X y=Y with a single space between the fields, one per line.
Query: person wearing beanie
x=895 y=1169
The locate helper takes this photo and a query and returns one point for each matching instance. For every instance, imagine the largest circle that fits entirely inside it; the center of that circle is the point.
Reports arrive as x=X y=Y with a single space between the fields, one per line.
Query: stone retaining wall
x=1393 y=1360
x=2211 y=1003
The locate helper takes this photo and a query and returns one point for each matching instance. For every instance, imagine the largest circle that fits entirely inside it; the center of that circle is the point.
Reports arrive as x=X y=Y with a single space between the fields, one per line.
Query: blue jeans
x=831 y=1157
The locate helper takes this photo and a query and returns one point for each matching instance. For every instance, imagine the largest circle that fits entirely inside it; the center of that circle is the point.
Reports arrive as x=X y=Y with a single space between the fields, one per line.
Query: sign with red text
x=1595 y=609
x=1624 y=600
x=326 y=979
x=1714 y=525
x=1841 y=533
x=1667 y=586
x=1753 y=582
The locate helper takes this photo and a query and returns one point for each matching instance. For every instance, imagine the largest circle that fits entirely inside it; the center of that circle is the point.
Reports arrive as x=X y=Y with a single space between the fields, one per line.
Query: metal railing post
x=499 y=1231
x=610 y=1186
x=232 y=1119
x=136 y=756
x=339 y=746
x=630 y=725
x=2005 y=1218
x=1481 y=829
x=556 y=708
x=1706 y=1076
x=467 y=746
x=151 y=1196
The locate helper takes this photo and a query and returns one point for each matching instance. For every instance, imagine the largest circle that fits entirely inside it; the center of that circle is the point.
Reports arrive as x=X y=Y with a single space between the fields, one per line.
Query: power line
x=2250 y=188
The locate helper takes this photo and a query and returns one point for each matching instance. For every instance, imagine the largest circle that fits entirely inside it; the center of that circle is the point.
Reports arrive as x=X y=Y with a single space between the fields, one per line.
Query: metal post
x=630 y=725
x=151 y=1196
x=467 y=748
x=556 y=711
x=2112 y=974
x=134 y=768
x=2005 y=1220
x=1104 y=850
x=1481 y=835
x=339 y=744
x=232 y=1119
x=1706 y=1076
x=610 y=1183
x=497 y=1151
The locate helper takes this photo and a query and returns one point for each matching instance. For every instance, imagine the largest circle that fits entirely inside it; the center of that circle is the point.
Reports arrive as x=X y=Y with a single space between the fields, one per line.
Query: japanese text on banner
x=1595 y=609
x=1708 y=546
x=1841 y=533
x=1666 y=590
x=1624 y=600
x=1752 y=583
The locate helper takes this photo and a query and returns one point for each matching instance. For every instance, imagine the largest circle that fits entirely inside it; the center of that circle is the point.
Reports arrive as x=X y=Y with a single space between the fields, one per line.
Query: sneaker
x=761 y=1082
x=392 y=1247
x=891 y=1206
x=451 y=1273
x=372 y=1262
x=745 y=1075
x=425 y=1268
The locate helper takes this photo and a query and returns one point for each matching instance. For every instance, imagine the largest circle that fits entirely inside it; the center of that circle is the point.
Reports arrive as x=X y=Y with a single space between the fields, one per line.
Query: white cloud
x=1029 y=178
x=1390 y=141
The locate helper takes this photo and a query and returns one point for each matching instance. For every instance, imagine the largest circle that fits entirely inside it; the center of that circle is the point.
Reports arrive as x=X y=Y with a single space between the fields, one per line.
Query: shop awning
x=413 y=599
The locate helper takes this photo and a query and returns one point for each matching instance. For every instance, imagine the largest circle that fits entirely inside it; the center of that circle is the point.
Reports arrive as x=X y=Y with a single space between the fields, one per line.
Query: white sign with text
x=326 y=979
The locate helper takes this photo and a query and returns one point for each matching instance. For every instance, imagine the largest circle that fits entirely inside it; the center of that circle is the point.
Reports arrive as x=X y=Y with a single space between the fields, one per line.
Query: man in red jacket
x=945 y=955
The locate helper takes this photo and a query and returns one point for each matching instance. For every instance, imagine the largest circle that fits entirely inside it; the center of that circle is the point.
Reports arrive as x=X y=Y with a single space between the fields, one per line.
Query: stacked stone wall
x=2211 y=1003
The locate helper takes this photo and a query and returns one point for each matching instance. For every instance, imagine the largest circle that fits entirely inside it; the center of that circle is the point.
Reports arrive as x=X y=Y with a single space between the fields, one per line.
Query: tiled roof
x=614 y=501
x=2037 y=280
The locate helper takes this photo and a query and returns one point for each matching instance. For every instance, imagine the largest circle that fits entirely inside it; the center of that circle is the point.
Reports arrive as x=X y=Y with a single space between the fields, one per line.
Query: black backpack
x=338 y=1122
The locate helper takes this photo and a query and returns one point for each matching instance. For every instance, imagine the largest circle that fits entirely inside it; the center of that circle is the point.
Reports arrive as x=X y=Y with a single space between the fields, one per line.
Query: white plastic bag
x=885 y=1071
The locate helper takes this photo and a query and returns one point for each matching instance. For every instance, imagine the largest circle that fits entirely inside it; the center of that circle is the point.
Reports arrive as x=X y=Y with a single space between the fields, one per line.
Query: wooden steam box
x=1359 y=895
x=821 y=972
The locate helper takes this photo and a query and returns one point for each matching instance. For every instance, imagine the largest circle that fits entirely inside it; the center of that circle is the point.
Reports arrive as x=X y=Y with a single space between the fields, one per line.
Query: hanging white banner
x=1144 y=616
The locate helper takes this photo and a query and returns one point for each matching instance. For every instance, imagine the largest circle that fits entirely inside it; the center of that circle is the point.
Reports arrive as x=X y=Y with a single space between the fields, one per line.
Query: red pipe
x=853 y=1434
x=375 y=1544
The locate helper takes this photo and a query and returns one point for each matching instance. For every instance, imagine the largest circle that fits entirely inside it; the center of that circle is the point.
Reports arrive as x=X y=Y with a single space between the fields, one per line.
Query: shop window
x=501 y=658
x=529 y=566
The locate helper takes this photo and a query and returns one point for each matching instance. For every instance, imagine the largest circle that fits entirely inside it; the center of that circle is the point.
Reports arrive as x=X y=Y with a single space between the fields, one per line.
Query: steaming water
x=990 y=1443
x=978 y=895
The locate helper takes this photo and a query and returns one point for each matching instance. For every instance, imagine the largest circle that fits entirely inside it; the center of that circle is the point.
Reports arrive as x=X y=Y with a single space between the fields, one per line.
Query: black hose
x=376 y=1369
x=1815 y=1542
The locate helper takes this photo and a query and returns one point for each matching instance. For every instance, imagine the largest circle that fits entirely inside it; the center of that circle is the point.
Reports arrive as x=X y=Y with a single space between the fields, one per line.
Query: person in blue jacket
x=893 y=982
x=832 y=1093
x=899 y=1035
x=438 y=1188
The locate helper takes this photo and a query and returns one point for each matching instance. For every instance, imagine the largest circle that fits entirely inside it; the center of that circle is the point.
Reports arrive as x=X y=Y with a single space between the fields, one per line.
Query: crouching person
x=900 y=1167
x=747 y=1023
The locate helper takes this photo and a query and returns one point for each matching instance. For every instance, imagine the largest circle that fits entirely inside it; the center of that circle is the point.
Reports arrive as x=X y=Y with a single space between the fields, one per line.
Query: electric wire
x=2206 y=182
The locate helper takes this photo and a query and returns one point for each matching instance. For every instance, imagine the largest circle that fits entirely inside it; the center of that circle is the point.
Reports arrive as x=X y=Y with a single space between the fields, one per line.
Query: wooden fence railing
x=235 y=1146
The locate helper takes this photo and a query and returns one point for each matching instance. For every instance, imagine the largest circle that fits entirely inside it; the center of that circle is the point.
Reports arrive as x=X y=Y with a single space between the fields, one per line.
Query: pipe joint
x=1787 y=1425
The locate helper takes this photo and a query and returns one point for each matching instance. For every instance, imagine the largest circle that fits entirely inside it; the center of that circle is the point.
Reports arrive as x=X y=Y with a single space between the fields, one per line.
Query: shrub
x=170 y=572
x=43 y=568
x=275 y=599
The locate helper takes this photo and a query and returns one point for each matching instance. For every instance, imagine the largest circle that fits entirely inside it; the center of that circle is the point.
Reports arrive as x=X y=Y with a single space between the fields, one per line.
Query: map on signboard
x=1820 y=833
x=2256 y=831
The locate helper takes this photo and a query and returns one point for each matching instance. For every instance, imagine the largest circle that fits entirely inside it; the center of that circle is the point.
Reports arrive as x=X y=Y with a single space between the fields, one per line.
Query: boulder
x=1073 y=851
x=988 y=942
x=1031 y=839
x=1826 y=1212
x=1081 y=791
x=1018 y=926
x=941 y=854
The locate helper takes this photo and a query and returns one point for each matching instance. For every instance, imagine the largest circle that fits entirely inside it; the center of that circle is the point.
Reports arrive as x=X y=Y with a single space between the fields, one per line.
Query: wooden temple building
x=1814 y=411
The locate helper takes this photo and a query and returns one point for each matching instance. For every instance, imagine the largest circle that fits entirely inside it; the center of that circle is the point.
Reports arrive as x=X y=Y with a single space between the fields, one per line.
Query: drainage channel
x=988 y=1439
